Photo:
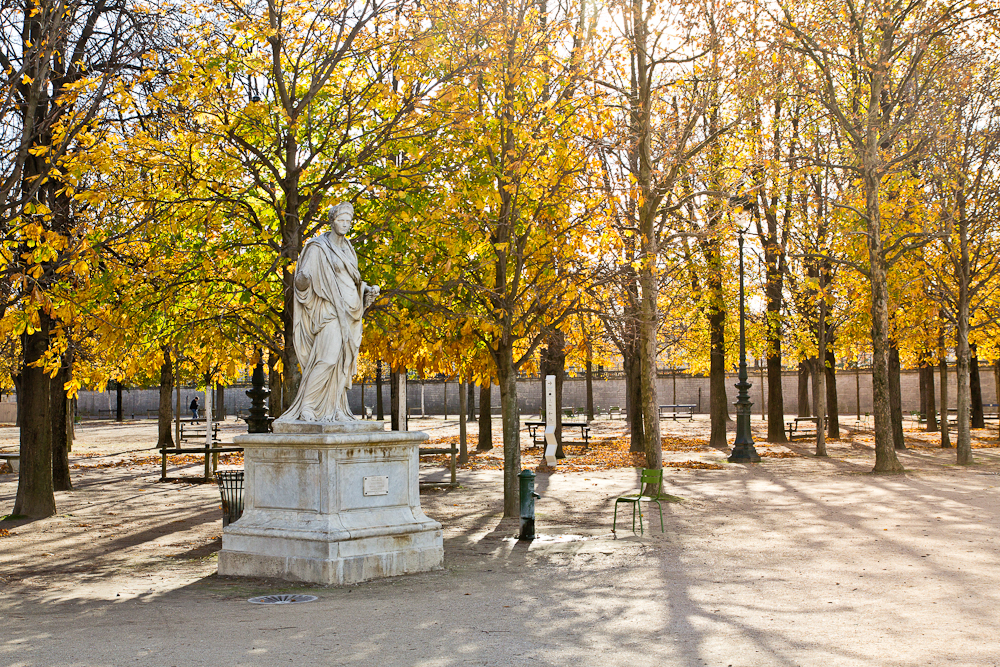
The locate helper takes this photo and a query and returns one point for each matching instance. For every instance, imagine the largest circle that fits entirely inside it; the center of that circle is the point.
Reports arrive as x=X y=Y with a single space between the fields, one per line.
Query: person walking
x=194 y=407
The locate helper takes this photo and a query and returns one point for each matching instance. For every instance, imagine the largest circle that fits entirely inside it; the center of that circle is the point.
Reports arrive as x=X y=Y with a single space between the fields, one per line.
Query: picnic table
x=537 y=431
x=675 y=411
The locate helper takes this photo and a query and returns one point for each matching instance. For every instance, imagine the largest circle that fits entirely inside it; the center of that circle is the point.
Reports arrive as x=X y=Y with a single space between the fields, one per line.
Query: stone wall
x=851 y=389
x=141 y=403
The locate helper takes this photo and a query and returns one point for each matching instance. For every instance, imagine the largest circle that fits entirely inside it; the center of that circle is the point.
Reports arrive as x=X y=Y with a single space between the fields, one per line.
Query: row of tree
x=528 y=175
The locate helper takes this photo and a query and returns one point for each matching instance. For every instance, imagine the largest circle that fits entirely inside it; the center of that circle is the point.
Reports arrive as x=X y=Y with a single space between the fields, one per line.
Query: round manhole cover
x=282 y=599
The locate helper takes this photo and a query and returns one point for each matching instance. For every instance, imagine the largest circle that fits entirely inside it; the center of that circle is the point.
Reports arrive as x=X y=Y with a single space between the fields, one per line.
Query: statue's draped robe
x=327 y=329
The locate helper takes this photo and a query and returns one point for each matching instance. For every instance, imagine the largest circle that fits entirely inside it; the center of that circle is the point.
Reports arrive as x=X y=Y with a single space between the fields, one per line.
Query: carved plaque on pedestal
x=377 y=485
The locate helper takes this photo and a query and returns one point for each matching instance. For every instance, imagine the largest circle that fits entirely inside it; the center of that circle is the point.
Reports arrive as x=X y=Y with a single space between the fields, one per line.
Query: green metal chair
x=649 y=476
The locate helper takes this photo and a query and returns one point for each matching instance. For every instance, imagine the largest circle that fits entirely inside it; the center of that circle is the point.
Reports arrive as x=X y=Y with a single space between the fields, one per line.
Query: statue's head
x=341 y=217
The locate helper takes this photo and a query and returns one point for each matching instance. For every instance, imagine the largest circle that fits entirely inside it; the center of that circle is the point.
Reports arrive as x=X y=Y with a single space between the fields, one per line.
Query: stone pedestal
x=331 y=504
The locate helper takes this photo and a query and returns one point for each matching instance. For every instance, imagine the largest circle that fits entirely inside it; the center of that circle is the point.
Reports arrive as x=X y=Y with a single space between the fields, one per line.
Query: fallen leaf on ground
x=694 y=465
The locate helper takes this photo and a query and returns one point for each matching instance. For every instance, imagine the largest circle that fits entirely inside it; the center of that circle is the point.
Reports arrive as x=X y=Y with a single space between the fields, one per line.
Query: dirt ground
x=793 y=561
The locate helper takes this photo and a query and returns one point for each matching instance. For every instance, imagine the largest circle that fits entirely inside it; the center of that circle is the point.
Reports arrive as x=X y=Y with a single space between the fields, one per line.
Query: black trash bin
x=231 y=487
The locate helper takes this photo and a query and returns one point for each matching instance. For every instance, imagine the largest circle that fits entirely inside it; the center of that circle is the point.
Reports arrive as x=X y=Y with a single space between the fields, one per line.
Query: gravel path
x=795 y=561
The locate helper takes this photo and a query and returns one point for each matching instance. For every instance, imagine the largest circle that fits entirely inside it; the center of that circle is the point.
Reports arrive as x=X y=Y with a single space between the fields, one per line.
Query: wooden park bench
x=13 y=458
x=434 y=451
x=991 y=416
x=675 y=411
x=803 y=426
x=537 y=432
x=196 y=429
x=615 y=412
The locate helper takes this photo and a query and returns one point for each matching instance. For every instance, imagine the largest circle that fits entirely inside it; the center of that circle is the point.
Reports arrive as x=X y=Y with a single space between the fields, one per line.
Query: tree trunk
x=857 y=389
x=832 y=402
x=165 y=414
x=291 y=374
x=463 y=444
x=804 y=409
x=813 y=363
x=775 y=401
x=557 y=350
x=633 y=403
x=590 y=387
x=775 y=395
x=118 y=403
x=996 y=386
x=177 y=413
x=718 y=402
x=931 y=408
x=379 y=410
x=485 y=443
x=885 y=454
x=543 y=370
x=819 y=380
x=470 y=403
x=646 y=216
x=943 y=367
x=395 y=409
x=963 y=446
x=275 y=405
x=895 y=398
x=507 y=377
x=922 y=376
x=60 y=436
x=220 y=403
x=70 y=423
x=763 y=394
x=35 y=495
x=210 y=462
x=975 y=388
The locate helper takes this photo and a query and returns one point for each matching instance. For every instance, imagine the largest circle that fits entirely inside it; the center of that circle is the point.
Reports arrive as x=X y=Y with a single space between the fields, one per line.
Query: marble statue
x=330 y=300
x=328 y=498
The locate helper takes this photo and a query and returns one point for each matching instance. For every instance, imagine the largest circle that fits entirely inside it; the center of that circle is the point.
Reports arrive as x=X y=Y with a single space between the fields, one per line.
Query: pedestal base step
x=356 y=560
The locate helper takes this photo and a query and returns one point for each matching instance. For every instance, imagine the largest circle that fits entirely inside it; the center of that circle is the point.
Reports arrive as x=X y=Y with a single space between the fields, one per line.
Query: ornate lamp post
x=258 y=421
x=743 y=449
